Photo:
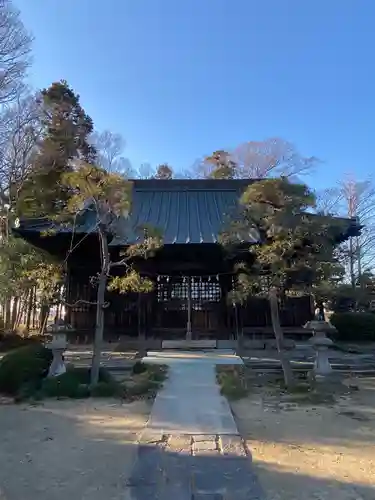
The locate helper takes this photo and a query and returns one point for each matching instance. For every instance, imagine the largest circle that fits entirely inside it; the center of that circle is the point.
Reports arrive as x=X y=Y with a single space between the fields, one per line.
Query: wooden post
x=188 y=329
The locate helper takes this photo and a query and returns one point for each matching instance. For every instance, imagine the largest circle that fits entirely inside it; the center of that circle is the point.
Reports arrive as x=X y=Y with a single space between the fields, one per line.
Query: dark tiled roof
x=184 y=211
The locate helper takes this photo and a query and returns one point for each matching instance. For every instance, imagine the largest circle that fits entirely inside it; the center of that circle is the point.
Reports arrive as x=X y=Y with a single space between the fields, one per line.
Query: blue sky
x=180 y=79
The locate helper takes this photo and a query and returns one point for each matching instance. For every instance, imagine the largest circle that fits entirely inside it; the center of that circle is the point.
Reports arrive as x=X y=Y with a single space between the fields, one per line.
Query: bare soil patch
x=310 y=446
x=69 y=449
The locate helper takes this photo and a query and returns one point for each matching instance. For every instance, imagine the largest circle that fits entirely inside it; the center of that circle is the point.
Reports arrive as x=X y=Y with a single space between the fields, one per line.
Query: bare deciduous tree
x=21 y=128
x=145 y=171
x=15 y=49
x=110 y=147
x=355 y=199
x=272 y=157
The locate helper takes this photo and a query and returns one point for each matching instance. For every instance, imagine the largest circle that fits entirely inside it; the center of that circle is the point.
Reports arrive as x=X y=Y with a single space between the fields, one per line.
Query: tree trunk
x=29 y=310
x=2 y=316
x=351 y=262
x=141 y=333
x=21 y=309
x=58 y=308
x=44 y=313
x=285 y=363
x=99 y=325
x=8 y=315
x=14 y=313
x=34 y=309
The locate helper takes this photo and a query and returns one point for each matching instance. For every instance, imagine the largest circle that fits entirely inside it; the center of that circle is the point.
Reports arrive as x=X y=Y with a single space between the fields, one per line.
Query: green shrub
x=105 y=390
x=75 y=383
x=354 y=326
x=9 y=341
x=232 y=382
x=139 y=367
x=83 y=375
x=142 y=388
x=67 y=385
x=25 y=366
x=157 y=374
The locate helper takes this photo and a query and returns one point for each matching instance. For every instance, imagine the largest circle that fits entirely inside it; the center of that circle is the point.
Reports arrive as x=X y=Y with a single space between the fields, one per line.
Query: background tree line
x=46 y=135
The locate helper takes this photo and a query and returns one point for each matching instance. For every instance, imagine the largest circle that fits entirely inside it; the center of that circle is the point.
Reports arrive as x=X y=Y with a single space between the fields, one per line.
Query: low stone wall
x=127 y=343
x=255 y=344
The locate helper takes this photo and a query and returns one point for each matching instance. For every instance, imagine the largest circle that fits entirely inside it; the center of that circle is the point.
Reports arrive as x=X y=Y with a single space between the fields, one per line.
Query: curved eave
x=352 y=230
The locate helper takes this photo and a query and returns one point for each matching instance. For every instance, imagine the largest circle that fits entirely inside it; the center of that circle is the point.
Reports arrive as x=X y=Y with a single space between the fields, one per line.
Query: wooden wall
x=152 y=315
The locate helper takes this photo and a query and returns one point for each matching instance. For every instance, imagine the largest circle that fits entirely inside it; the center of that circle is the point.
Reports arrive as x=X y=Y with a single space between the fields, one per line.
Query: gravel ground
x=69 y=449
x=304 y=452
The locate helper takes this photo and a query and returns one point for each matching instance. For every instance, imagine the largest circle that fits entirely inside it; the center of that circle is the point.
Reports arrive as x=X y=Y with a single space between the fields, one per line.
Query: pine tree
x=109 y=195
x=296 y=250
x=64 y=144
x=164 y=171
x=221 y=165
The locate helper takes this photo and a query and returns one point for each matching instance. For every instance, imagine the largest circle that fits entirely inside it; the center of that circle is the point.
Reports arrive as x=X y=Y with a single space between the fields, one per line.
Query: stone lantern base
x=58 y=346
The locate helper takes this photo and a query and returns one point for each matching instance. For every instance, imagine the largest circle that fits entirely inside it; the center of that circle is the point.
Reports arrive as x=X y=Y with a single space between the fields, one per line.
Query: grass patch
x=232 y=381
x=270 y=387
x=311 y=398
x=145 y=383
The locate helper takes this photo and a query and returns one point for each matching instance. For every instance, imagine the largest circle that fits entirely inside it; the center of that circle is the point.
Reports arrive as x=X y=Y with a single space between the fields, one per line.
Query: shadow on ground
x=269 y=414
x=69 y=449
x=87 y=450
x=183 y=477
x=303 y=450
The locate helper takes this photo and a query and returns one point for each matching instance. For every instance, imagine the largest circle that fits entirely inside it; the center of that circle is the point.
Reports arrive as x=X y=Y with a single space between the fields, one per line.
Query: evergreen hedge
x=354 y=326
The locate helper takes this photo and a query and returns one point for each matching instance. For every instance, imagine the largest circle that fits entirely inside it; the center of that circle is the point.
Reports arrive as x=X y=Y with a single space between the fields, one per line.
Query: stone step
x=189 y=344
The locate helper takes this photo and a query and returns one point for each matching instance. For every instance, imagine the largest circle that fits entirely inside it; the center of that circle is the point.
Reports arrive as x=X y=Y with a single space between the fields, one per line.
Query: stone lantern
x=58 y=345
x=321 y=344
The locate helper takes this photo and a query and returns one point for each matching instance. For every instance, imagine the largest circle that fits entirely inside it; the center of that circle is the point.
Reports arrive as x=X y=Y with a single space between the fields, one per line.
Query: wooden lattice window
x=172 y=292
x=177 y=289
x=264 y=282
x=163 y=290
x=205 y=290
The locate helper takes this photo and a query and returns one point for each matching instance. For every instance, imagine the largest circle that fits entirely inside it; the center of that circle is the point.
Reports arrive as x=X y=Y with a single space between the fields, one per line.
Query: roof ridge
x=190 y=184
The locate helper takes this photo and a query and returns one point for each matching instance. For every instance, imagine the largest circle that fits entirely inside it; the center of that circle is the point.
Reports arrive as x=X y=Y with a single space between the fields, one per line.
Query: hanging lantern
x=158 y=278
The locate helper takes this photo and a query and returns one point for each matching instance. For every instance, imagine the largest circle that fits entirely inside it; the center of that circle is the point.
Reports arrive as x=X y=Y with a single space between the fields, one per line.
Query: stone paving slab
x=176 y=469
x=191 y=449
x=179 y=357
x=190 y=403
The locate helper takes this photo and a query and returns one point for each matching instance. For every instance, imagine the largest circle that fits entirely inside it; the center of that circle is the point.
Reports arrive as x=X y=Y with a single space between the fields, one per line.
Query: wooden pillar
x=139 y=315
x=224 y=307
x=68 y=313
x=189 y=310
x=151 y=310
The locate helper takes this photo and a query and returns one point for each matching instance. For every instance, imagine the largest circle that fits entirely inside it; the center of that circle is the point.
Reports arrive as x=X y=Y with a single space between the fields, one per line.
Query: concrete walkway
x=190 y=401
x=191 y=448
